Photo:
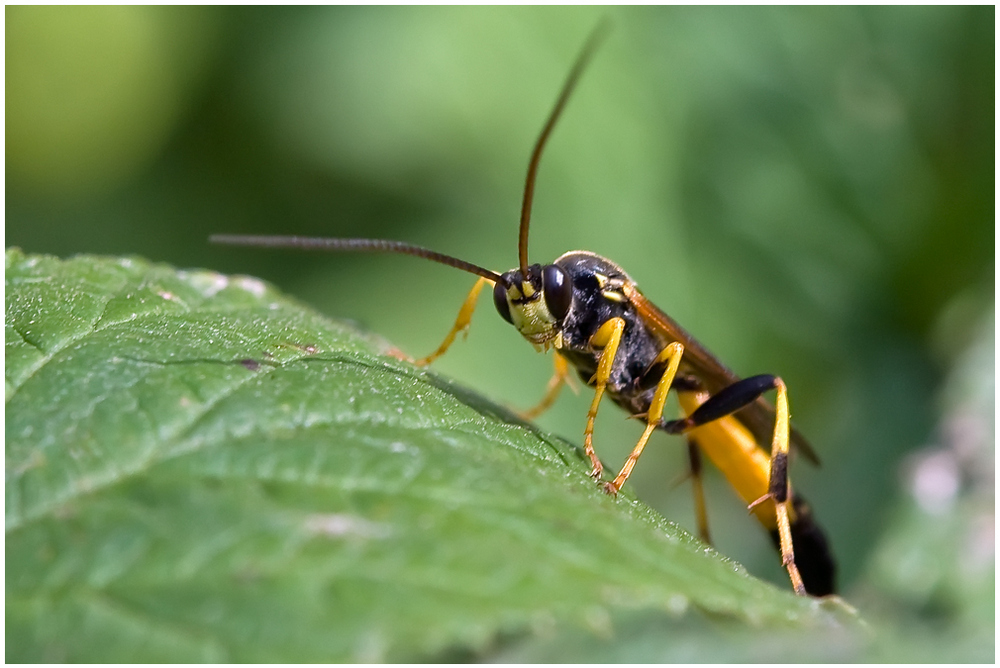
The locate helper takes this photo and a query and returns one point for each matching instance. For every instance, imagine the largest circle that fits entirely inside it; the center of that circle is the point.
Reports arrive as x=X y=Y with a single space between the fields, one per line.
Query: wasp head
x=535 y=304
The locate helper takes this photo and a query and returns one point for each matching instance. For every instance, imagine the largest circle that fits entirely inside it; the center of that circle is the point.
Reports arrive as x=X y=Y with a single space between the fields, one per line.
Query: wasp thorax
x=536 y=306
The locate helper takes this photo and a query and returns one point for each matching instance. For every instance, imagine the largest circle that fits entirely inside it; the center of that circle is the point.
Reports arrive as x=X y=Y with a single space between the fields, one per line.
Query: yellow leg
x=750 y=470
x=462 y=323
x=607 y=337
x=559 y=378
x=700 y=509
x=672 y=355
x=778 y=489
x=778 y=485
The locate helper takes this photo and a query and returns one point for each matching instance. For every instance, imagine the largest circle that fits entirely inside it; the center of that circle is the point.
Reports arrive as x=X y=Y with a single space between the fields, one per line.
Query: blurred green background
x=810 y=192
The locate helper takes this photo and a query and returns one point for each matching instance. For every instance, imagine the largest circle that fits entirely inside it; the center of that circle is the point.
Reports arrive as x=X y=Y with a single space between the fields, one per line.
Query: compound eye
x=500 y=301
x=558 y=290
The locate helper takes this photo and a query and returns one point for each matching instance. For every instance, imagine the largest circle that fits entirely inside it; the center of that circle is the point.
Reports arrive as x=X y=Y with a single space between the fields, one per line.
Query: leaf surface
x=199 y=468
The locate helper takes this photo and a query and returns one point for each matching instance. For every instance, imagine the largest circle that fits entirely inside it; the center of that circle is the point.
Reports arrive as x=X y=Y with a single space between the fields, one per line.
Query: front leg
x=608 y=337
x=462 y=323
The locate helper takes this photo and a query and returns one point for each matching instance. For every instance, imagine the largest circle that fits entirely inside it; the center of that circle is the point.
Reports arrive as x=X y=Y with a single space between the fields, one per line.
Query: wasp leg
x=559 y=378
x=672 y=355
x=697 y=488
x=700 y=509
x=728 y=401
x=462 y=323
x=812 y=551
x=777 y=488
x=608 y=336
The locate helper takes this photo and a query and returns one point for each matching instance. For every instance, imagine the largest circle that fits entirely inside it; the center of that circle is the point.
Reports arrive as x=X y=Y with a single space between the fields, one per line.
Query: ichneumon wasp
x=592 y=313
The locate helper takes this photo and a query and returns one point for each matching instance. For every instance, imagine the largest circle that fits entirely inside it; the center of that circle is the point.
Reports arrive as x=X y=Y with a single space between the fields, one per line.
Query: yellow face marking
x=531 y=318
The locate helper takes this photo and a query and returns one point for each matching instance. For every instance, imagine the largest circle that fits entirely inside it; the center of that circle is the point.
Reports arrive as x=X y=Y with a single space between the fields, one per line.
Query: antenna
x=353 y=245
x=593 y=41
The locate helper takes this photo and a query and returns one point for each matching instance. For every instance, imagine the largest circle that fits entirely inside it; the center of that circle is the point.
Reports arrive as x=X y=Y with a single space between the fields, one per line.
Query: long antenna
x=589 y=47
x=356 y=245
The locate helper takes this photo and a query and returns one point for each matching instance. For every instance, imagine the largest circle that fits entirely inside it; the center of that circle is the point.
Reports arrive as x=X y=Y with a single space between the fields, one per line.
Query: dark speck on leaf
x=251 y=364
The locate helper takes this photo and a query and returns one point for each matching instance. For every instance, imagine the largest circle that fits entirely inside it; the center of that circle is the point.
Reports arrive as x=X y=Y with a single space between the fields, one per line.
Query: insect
x=593 y=315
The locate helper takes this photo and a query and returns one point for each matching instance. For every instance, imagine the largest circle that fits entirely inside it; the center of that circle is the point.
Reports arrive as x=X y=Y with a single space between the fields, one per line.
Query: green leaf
x=200 y=469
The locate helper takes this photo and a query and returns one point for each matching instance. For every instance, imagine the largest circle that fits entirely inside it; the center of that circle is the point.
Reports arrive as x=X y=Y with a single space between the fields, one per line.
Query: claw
x=400 y=355
x=611 y=488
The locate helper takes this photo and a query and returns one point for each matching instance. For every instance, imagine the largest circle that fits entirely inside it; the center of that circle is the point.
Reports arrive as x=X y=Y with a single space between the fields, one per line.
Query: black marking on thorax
x=597 y=298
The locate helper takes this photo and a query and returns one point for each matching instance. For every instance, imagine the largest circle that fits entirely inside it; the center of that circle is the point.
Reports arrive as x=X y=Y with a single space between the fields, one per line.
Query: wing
x=758 y=417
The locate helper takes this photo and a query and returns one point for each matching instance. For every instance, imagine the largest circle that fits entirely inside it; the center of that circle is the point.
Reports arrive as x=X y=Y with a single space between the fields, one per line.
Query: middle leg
x=672 y=356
